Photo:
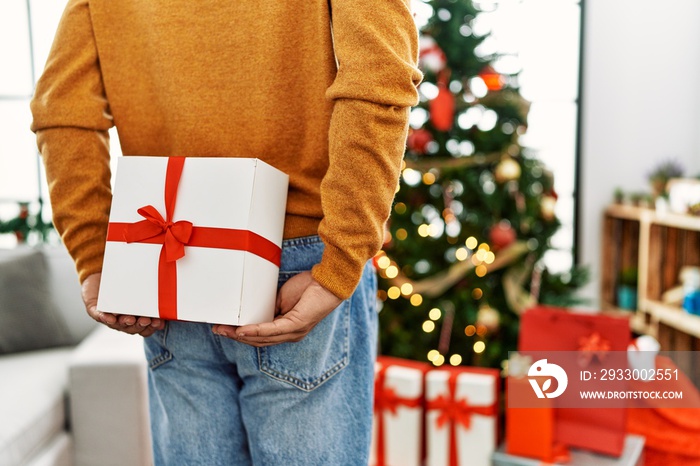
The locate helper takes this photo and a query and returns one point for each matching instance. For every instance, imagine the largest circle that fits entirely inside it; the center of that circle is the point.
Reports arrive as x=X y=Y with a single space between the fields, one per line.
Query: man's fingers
x=145 y=326
x=284 y=324
x=282 y=329
x=134 y=329
x=148 y=331
x=272 y=340
x=126 y=321
x=104 y=317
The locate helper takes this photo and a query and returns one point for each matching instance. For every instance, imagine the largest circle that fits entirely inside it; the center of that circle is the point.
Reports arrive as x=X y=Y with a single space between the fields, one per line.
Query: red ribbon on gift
x=456 y=412
x=174 y=236
x=386 y=399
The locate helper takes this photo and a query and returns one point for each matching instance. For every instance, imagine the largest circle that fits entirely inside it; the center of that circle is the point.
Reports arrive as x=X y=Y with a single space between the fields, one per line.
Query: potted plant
x=663 y=172
x=636 y=199
x=627 y=288
x=619 y=196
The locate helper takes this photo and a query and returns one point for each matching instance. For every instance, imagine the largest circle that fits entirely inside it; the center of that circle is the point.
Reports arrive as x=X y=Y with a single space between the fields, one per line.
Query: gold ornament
x=547 y=205
x=507 y=170
x=488 y=317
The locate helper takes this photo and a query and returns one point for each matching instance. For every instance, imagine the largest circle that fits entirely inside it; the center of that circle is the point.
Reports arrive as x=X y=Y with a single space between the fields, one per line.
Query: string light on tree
x=433 y=354
x=383 y=261
x=416 y=300
x=394 y=292
x=392 y=271
x=461 y=254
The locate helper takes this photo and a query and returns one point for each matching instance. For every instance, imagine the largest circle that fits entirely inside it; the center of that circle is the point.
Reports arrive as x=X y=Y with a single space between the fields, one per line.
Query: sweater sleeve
x=70 y=118
x=376 y=48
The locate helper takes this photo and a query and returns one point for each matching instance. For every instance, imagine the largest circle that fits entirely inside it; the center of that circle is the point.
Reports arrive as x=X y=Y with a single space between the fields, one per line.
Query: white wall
x=641 y=104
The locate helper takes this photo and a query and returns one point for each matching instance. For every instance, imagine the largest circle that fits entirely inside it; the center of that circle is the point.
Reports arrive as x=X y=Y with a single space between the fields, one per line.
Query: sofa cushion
x=32 y=402
x=28 y=317
x=65 y=292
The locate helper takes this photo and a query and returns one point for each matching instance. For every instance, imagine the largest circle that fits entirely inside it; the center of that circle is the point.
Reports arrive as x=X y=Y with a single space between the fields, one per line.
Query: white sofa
x=84 y=403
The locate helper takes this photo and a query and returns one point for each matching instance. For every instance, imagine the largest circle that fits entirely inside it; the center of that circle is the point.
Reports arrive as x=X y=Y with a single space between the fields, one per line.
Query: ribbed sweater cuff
x=338 y=272
x=89 y=265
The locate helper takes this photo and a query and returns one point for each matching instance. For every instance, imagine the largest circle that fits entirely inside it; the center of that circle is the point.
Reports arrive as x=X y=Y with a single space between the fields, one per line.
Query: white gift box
x=401 y=413
x=475 y=393
x=229 y=271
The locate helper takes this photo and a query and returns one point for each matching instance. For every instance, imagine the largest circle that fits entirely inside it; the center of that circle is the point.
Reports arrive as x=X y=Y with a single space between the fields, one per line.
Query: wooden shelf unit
x=658 y=245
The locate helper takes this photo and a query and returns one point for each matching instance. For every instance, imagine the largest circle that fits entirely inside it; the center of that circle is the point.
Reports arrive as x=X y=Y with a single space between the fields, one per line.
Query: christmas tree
x=26 y=223
x=474 y=211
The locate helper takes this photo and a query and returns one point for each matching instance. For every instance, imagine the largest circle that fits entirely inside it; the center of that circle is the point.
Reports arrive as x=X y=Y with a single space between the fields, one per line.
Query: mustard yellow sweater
x=326 y=104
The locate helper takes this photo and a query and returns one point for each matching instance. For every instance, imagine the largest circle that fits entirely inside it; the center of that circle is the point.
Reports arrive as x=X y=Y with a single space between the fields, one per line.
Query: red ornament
x=502 y=235
x=418 y=140
x=23 y=211
x=442 y=107
x=493 y=80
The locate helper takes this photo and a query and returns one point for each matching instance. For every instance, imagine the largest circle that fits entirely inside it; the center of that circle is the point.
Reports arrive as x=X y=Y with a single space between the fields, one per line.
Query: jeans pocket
x=312 y=361
x=157 y=352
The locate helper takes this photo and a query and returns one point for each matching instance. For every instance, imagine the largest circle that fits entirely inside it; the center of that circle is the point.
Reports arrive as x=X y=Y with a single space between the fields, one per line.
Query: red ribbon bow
x=177 y=234
x=174 y=236
x=592 y=346
x=456 y=412
x=386 y=399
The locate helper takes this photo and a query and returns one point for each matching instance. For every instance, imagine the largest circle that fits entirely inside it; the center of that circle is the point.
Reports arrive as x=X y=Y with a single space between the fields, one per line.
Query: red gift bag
x=554 y=329
x=529 y=431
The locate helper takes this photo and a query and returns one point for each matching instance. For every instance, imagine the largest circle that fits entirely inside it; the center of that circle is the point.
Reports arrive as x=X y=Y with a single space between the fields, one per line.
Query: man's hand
x=301 y=304
x=144 y=326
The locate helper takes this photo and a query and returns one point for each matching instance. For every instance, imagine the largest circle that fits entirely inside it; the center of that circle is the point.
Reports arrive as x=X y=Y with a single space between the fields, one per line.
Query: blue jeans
x=216 y=401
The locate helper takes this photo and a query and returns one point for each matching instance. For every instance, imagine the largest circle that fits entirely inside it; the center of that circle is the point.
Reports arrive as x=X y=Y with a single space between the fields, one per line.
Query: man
x=321 y=90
